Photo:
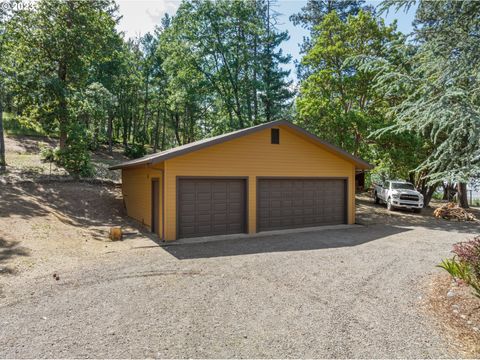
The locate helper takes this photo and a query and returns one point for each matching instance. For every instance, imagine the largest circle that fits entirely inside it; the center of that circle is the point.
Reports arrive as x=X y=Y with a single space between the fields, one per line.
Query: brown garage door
x=211 y=207
x=294 y=203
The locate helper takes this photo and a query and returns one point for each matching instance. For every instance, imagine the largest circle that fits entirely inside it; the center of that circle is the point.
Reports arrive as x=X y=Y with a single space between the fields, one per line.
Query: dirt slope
x=24 y=160
x=57 y=225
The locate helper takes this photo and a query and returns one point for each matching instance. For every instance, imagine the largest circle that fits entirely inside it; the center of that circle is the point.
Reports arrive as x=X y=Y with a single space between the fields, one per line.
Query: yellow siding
x=137 y=192
x=253 y=155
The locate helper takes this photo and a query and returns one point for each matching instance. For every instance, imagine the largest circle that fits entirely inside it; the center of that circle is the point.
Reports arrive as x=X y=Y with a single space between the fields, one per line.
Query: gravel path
x=332 y=294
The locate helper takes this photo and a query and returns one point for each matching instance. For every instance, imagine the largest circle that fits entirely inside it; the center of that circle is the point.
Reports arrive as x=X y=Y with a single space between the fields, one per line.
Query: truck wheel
x=377 y=200
x=417 y=211
x=389 y=205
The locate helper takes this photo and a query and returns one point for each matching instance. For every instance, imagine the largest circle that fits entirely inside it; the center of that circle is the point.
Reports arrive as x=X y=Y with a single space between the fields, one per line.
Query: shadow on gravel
x=74 y=203
x=369 y=213
x=314 y=240
x=12 y=202
x=8 y=250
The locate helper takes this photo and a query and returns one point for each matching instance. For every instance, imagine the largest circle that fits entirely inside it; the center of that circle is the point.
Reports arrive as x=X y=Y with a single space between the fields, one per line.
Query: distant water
x=473 y=193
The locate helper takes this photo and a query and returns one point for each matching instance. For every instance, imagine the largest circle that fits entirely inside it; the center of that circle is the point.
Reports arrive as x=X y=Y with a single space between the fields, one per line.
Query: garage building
x=268 y=177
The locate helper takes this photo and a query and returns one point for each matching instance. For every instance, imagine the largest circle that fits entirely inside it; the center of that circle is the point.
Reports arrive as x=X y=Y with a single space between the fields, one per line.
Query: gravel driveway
x=325 y=294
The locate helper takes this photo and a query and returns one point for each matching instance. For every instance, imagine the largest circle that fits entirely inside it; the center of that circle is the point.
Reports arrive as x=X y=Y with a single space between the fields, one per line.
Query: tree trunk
x=155 y=134
x=3 y=163
x=462 y=195
x=177 y=128
x=411 y=177
x=110 y=133
x=268 y=77
x=145 y=110
x=130 y=130
x=255 y=85
x=448 y=191
x=63 y=111
x=125 y=131
x=427 y=197
x=62 y=76
x=164 y=130
x=427 y=191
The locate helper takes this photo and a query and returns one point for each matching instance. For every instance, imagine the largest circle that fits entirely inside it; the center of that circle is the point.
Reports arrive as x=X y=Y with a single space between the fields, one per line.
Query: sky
x=141 y=16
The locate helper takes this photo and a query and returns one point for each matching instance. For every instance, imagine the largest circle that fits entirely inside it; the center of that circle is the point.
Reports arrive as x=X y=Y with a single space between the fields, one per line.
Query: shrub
x=134 y=151
x=22 y=125
x=75 y=157
x=469 y=253
x=465 y=265
x=49 y=154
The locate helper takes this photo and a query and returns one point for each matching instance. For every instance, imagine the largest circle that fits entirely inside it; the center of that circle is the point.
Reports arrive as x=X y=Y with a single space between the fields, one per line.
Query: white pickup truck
x=398 y=194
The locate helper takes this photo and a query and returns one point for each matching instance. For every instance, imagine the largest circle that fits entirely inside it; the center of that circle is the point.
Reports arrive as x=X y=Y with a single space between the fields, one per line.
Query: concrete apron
x=207 y=239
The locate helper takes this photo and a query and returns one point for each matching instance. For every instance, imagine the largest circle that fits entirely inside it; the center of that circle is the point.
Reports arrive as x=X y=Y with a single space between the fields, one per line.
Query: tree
x=92 y=108
x=3 y=76
x=107 y=70
x=276 y=94
x=314 y=12
x=312 y=15
x=56 y=44
x=224 y=60
x=338 y=101
x=441 y=89
x=215 y=66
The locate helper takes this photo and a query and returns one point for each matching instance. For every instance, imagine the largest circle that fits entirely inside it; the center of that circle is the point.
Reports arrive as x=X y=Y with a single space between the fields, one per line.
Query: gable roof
x=197 y=145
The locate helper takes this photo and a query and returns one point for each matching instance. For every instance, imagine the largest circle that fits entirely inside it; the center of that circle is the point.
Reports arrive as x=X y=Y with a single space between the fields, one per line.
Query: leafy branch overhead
x=437 y=88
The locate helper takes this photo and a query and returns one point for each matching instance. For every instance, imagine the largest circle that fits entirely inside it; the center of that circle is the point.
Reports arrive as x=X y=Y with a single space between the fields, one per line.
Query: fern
x=463 y=271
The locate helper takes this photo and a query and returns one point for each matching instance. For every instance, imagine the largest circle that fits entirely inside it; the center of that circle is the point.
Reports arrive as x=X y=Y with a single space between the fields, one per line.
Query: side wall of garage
x=137 y=193
x=254 y=156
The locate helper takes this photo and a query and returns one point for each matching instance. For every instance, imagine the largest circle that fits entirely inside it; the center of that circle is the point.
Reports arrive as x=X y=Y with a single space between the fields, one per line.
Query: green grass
x=15 y=126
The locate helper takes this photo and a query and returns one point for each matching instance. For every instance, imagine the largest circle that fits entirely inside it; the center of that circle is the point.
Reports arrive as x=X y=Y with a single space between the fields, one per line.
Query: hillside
x=50 y=221
x=25 y=163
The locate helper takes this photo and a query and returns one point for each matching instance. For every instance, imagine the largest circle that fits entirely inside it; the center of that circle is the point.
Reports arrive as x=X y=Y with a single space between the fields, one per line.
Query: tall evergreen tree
x=312 y=15
x=276 y=93
x=441 y=89
x=314 y=11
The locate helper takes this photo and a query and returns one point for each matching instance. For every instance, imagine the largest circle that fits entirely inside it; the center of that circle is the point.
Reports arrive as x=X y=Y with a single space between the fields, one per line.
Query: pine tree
x=276 y=94
x=312 y=15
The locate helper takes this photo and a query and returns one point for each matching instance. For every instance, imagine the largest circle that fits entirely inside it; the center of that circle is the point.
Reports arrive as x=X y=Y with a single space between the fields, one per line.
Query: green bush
x=21 y=125
x=134 y=151
x=49 y=154
x=75 y=157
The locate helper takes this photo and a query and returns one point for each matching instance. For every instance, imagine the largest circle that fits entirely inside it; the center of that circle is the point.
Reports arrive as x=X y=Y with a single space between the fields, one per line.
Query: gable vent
x=275 y=136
